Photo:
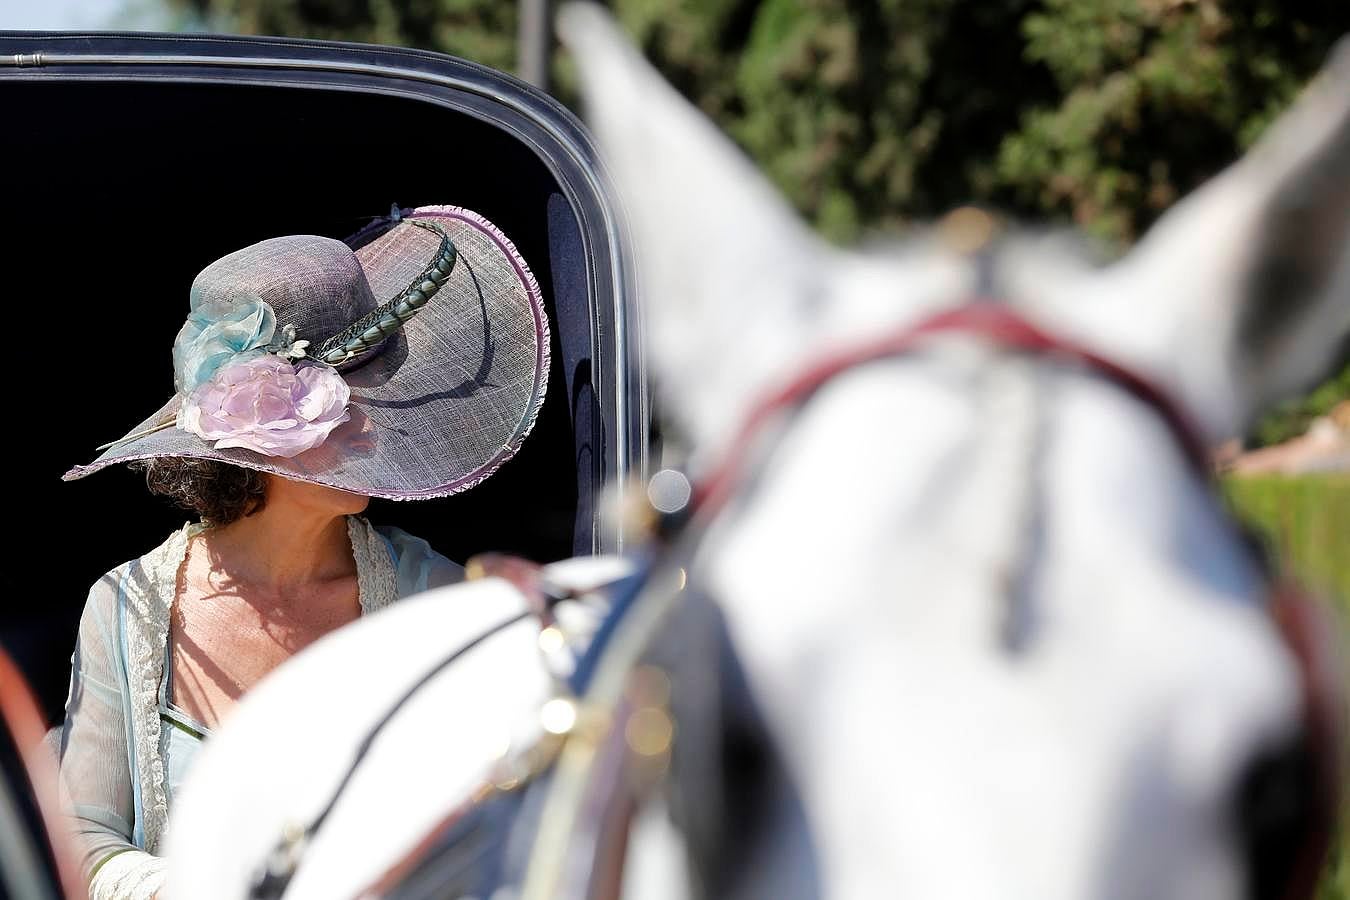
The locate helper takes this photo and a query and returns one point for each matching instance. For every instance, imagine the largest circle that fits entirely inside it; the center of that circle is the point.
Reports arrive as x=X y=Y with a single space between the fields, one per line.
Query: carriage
x=141 y=157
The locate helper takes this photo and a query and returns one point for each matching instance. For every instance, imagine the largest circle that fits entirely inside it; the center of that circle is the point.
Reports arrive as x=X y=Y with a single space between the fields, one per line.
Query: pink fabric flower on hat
x=266 y=404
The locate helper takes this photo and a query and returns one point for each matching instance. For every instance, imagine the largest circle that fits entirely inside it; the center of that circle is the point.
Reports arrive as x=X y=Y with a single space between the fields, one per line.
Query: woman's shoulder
x=143 y=569
x=420 y=567
x=402 y=541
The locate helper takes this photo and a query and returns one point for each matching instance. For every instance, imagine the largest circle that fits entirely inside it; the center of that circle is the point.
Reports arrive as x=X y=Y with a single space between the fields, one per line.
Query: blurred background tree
x=481 y=30
x=873 y=114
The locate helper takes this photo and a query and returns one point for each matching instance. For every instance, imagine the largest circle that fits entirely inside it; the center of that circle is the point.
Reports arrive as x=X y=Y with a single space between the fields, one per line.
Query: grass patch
x=1305 y=521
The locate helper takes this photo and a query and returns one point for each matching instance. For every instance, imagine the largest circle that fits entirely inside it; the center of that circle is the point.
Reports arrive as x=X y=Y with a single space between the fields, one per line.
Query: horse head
x=996 y=623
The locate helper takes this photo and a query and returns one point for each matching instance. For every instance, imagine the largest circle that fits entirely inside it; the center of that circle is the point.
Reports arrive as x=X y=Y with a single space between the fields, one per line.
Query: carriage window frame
x=621 y=434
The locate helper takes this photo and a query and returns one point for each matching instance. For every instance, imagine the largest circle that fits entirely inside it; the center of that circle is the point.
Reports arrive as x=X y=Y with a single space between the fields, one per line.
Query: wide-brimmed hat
x=412 y=367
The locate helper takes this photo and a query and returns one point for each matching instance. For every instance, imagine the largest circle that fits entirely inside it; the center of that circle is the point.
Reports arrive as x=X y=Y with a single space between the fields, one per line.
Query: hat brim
x=443 y=404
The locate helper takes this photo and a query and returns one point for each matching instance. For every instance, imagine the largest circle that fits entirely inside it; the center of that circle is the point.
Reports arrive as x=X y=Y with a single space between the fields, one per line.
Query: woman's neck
x=281 y=547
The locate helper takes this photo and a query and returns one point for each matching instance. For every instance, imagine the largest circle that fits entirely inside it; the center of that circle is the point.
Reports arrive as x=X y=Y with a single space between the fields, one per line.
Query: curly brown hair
x=220 y=493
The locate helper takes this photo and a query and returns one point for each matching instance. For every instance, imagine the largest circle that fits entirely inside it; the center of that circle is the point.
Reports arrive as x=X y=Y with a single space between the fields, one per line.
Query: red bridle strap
x=986 y=320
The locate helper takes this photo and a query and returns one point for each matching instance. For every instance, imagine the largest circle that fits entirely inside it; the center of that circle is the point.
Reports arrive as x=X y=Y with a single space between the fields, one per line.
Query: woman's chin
x=315 y=496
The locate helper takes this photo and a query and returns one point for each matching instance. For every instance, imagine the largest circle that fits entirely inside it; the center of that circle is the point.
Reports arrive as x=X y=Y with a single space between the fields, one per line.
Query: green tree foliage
x=1099 y=112
x=873 y=113
x=1152 y=97
x=1294 y=417
x=481 y=30
x=867 y=115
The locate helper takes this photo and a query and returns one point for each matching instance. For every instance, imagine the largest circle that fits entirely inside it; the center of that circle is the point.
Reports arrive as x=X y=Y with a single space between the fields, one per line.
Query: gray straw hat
x=410 y=368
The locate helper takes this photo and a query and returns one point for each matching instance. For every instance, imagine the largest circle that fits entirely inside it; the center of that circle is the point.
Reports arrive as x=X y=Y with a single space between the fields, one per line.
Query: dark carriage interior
x=125 y=191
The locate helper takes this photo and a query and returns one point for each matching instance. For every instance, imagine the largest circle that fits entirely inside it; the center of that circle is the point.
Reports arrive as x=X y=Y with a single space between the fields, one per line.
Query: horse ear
x=726 y=268
x=1250 y=276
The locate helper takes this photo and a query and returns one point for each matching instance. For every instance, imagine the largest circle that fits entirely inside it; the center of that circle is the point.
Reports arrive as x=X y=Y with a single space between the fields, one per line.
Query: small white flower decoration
x=288 y=347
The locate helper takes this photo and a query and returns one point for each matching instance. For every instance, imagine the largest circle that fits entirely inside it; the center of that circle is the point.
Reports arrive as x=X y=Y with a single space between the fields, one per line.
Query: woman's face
x=302 y=496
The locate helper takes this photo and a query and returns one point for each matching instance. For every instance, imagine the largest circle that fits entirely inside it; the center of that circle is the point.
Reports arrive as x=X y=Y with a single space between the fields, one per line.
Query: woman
x=277 y=436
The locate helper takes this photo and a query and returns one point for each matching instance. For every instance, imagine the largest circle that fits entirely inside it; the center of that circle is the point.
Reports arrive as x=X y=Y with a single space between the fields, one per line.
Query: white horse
x=999 y=638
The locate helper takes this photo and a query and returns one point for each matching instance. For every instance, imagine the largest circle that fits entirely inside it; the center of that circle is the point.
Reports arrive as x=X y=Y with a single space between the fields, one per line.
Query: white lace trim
x=131 y=875
x=376 y=577
x=150 y=586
